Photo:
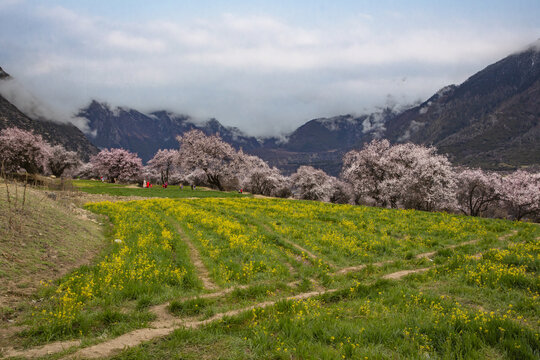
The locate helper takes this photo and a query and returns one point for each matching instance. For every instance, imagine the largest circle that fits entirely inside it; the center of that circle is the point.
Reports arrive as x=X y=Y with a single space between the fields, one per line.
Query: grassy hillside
x=266 y=278
x=41 y=240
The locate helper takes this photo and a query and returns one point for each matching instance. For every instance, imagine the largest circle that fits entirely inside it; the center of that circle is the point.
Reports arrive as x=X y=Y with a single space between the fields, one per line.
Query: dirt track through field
x=164 y=328
x=202 y=271
x=303 y=250
x=166 y=323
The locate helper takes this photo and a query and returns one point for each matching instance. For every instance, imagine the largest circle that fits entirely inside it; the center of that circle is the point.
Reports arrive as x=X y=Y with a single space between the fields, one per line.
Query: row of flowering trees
x=20 y=149
x=380 y=174
x=414 y=176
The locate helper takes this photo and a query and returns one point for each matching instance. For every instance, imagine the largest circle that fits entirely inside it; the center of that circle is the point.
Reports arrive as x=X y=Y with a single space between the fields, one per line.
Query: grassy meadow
x=172 y=191
x=246 y=278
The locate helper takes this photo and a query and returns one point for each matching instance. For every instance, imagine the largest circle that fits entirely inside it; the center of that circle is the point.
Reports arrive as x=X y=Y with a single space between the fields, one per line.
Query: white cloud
x=259 y=73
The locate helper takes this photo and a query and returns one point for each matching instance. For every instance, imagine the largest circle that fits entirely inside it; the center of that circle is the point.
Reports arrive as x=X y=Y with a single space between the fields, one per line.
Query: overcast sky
x=264 y=66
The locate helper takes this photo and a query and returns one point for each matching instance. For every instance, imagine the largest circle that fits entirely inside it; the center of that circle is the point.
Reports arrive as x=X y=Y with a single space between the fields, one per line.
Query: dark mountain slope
x=55 y=133
x=490 y=120
x=145 y=134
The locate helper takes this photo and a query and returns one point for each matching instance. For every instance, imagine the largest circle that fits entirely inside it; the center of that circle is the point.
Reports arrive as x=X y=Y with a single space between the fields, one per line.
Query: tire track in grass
x=431 y=253
x=140 y=336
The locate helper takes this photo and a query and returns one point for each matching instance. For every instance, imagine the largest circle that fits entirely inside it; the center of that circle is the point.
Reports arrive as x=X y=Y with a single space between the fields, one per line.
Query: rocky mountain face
x=492 y=120
x=145 y=134
x=55 y=133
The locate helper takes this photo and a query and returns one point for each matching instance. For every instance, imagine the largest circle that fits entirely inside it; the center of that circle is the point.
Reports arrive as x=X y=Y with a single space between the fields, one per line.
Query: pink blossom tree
x=117 y=164
x=257 y=177
x=163 y=163
x=476 y=191
x=85 y=171
x=61 y=160
x=217 y=159
x=520 y=192
x=196 y=177
x=20 y=149
x=309 y=183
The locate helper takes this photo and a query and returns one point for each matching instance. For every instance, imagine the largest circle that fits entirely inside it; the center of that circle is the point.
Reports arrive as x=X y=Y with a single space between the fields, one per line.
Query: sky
x=264 y=66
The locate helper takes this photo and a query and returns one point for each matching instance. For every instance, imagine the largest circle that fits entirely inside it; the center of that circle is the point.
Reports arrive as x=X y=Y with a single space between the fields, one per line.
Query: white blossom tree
x=368 y=171
x=477 y=191
x=257 y=177
x=217 y=159
x=425 y=180
x=85 y=171
x=163 y=163
x=20 y=149
x=309 y=183
x=520 y=192
x=341 y=192
x=196 y=177
x=406 y=175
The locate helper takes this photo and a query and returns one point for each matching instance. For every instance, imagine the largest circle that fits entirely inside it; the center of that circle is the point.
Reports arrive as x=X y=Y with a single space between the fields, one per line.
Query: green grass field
x=247 y=278
x=98 y=187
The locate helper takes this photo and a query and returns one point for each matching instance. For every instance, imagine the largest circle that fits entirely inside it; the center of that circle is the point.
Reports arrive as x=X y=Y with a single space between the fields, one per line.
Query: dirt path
x=359 y=267
x=399 y=274
x=45 y=350
x=426 y=255
x=430 y=254
x=303 y=250
x=163 y=326
x=195 y=257
x=137 y=337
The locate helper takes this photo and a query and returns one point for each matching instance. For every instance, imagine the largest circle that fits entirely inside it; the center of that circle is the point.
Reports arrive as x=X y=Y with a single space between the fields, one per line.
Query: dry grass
x=44 y=239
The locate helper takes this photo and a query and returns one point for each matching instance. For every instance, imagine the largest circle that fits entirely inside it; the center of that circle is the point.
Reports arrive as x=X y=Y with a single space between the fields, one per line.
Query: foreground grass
x=457 y=310
x=98 y=187
x=258 y=243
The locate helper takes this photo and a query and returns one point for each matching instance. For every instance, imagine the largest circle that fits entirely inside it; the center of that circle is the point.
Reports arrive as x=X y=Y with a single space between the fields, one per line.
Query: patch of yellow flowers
x=142 y=255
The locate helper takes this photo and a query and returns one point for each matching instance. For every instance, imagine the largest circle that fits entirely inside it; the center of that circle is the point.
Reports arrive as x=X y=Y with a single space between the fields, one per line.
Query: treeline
x=398 y=176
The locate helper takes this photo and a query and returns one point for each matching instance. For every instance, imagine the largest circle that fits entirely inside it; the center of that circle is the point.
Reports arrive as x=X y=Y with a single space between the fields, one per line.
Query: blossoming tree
x=20 y=149
x=163 y=163
x=61 y=160
x=520 y=192
x=117 y=164
x=476 y=191
x=409 y=175
x=217 y=159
